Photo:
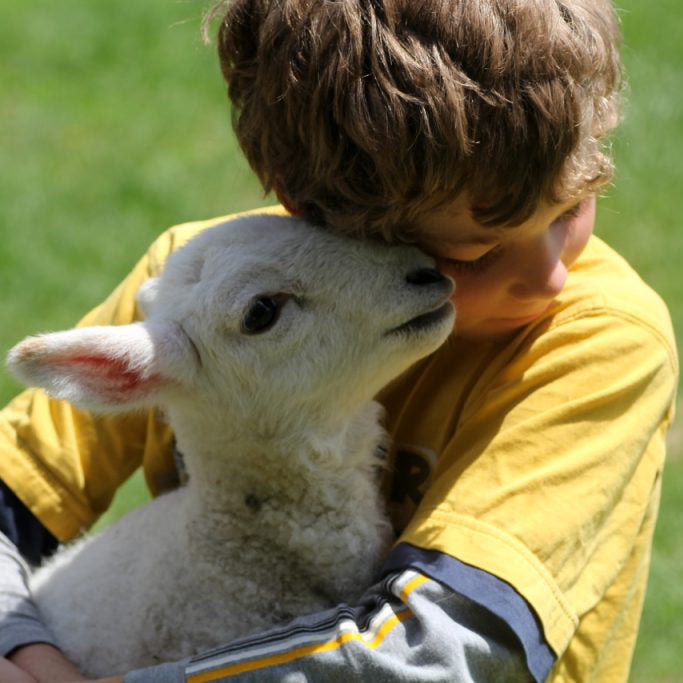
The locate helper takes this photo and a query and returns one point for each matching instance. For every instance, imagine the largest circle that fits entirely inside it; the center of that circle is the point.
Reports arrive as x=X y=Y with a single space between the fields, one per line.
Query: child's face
x=507 y=277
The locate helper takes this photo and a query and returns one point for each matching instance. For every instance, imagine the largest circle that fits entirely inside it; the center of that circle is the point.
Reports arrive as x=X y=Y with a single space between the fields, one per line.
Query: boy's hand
x=13 y=674
x=43 y=664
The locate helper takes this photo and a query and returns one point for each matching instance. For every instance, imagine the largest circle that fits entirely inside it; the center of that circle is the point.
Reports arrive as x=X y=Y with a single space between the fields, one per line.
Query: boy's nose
x=542 y=273
x=541 y=284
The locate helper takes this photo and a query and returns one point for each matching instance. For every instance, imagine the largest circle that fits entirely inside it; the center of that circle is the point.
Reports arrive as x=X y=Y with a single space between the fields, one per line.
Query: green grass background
x=115 y=125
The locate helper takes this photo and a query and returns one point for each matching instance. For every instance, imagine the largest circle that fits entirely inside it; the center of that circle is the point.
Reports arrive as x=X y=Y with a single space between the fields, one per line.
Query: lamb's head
x=261 y=316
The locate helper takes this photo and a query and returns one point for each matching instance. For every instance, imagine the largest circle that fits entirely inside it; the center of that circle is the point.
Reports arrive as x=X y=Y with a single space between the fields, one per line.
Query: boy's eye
x=477 y=265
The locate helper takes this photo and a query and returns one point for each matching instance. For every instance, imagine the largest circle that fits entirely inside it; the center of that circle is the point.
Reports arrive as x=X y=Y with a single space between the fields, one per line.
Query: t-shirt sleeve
x=20 y=622
x=551 y=479
x=407 y=627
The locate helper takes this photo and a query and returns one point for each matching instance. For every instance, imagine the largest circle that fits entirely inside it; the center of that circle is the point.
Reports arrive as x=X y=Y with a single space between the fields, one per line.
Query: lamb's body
x=197 y=567
x=282 y=514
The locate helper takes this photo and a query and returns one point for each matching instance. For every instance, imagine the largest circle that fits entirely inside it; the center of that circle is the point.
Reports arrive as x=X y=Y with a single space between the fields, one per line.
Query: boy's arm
x=20 y=622
x=23 y=529
x=45 y=664
x=31 y=650
x=9 y=672
x=408 y=627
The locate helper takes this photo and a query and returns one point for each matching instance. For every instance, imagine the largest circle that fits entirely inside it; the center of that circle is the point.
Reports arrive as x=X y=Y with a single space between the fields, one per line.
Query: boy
x=527 y=451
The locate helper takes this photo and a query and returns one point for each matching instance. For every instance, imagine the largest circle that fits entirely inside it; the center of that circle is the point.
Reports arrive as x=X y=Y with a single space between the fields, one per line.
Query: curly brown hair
x=367 y=113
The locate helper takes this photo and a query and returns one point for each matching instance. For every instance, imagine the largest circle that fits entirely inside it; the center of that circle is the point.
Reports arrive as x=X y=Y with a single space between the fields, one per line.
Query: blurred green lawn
x=115 y=125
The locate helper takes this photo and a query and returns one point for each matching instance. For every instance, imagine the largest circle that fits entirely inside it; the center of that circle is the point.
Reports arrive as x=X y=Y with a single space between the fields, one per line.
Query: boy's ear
x=105 y=368
x=285 y=200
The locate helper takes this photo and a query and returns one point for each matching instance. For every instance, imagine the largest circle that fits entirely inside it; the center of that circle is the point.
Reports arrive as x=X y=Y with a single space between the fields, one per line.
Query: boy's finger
x=13 y=674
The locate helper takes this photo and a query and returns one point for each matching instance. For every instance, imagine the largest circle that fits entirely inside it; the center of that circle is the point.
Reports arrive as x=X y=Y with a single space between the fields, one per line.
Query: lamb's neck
x=311 y=499
x=327 y=467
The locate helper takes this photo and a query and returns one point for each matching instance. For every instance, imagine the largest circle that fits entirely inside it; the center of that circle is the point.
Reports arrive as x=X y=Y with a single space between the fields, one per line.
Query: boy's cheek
x=471 y=304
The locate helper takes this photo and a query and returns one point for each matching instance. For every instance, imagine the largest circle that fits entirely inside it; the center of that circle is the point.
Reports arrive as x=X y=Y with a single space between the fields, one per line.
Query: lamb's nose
x=424 y=276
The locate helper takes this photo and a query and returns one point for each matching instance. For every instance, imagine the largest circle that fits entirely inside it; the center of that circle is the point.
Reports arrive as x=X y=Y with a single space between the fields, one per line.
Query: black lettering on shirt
x=411 y=471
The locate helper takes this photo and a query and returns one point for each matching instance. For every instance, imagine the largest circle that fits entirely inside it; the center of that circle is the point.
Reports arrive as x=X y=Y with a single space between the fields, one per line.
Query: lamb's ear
x=106 y=368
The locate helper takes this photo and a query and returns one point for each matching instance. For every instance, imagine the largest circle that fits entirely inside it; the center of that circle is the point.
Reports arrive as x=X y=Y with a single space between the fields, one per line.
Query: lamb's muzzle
x=425 y=320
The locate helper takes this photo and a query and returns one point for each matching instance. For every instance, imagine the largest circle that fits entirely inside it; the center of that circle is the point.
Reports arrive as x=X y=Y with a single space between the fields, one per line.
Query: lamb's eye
x=261 y=315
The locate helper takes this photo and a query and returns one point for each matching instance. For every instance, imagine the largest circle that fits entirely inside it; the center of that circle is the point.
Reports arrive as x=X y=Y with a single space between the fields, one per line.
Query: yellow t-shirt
x=536 y=457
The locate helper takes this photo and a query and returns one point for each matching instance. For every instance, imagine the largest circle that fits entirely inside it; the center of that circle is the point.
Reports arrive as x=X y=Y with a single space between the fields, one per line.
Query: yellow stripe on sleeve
x=285 y=657
x=411 y=586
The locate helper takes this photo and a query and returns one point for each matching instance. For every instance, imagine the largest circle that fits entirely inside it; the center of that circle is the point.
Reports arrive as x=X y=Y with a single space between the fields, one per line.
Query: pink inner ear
x=112 y=377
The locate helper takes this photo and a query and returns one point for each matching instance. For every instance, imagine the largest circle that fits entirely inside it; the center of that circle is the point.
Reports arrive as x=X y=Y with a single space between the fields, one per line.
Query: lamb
x=264 y=341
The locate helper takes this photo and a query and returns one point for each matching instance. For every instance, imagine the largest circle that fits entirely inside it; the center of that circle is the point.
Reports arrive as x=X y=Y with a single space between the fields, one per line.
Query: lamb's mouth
x=424 y=320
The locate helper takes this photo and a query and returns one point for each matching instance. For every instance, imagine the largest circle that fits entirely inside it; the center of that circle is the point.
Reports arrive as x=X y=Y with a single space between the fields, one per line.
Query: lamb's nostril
x=424 y=276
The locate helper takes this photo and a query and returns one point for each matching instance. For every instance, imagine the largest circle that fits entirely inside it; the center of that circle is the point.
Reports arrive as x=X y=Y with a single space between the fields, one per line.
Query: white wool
x=282 y=515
